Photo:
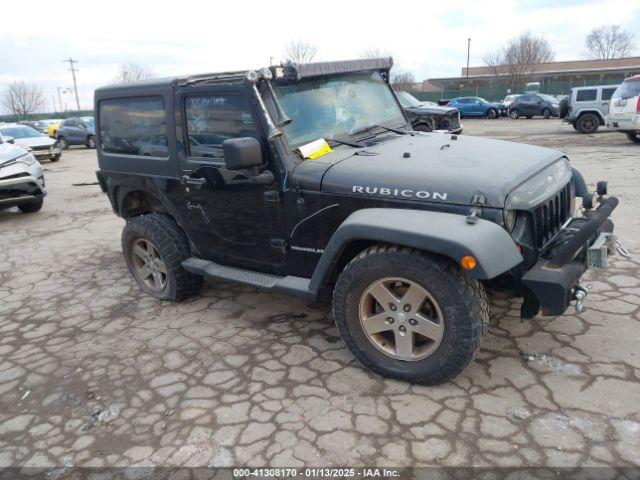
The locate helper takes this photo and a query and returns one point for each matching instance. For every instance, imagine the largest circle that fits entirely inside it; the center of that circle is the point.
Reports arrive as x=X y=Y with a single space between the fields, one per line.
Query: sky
x=427 y=38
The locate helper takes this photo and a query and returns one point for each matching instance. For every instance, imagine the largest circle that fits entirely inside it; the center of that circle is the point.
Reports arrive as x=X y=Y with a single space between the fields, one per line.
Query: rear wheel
x=515 y=114
x=546 y=113
x=32 y=207
x=634 y=137
x=91 y=141
x=588 y=123
x=154 y=247
x=409 y=315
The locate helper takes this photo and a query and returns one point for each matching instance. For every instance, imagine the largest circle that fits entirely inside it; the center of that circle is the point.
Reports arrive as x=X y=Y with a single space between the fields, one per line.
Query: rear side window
x=586 y=95
x=134 y=126
x=607 y=93
x=69 y=123
x=628 y=89
x=214 y=118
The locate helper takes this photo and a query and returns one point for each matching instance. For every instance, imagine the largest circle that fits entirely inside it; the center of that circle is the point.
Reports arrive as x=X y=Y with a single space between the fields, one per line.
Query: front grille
x=549 y=216
x=38 y=148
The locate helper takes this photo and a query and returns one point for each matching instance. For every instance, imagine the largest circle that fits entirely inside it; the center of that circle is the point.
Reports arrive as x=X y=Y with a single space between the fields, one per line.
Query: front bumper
x=21 y=183
x=47 y=154
x=553 y=282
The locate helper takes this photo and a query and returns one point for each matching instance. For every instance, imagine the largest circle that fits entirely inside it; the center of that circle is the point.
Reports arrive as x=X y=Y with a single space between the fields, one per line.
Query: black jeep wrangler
x=308 y=179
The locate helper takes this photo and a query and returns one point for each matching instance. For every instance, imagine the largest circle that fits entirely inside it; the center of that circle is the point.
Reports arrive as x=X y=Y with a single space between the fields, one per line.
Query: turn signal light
x=468 y=262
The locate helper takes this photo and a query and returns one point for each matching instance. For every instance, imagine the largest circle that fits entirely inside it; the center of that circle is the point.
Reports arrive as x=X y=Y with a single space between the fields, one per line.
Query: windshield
x=548 y=98
x=335 y=106
x=407 y=100
x=20 y=131
x=627 y=89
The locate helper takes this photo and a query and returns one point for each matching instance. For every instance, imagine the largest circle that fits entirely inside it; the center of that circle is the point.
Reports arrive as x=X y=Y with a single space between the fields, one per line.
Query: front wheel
x=634 y=137
x=62 y=143
x=32 y=207
x=515 y=114
x=91 y=141
x=408 y=315
x=492 y=114
x=154 y=247
x=546 y=113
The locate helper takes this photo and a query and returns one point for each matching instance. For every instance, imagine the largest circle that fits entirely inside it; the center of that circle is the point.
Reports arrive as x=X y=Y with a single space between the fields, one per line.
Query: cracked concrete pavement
x=95 y=373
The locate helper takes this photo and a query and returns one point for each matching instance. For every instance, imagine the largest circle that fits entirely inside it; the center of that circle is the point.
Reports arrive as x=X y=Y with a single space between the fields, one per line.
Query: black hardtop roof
x=306 y=70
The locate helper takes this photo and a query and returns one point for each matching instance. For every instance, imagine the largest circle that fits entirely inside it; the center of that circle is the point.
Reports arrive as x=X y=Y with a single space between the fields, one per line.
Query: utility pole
x=73 y=70
x=59 y=99
x=468 y=51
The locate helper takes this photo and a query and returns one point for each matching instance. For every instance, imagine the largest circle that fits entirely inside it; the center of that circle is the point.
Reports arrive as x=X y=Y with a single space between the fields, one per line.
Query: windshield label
x=399 y=192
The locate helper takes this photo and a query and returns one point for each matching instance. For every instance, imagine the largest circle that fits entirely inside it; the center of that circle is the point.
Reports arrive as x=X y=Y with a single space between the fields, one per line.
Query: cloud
x=427 y=38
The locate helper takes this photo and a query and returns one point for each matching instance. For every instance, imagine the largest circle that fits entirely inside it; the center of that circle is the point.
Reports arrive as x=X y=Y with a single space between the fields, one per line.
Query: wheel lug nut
x=407 y=307
x=390 y=320
x=392 y=307
x=402 y=329
x=413 y=321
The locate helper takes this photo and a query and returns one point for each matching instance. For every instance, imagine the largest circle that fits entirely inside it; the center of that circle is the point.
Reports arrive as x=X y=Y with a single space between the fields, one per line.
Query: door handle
x=197 y=183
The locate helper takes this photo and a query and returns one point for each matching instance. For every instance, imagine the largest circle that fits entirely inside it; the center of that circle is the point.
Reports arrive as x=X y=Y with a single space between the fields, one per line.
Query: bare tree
x=520 y=58
x=297 y=51
x=608 y=42
x=133 y=72
x=403 y=81
x=22 y=98
x=374 y=51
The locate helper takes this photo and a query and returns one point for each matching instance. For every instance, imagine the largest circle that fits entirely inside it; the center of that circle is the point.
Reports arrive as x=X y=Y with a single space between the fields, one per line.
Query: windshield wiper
x=347 y=143
x=371 y=127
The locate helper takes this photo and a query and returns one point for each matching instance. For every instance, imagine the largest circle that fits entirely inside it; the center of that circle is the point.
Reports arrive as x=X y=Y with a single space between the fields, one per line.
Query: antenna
x=73 y=70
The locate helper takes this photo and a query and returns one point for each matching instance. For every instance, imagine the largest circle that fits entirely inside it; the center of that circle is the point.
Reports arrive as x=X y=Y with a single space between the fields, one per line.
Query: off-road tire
x=514 y=114
x=32 y=207
x=91 y=141
x=587 y=123
x=634 y=137
x=573 y=124
x=546 y=113
x=492 y=114
x=463 y=303
x=173 y=248
x=563 y=109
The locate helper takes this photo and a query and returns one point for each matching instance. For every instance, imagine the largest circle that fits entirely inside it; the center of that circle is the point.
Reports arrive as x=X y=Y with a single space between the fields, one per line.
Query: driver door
x=234 y=220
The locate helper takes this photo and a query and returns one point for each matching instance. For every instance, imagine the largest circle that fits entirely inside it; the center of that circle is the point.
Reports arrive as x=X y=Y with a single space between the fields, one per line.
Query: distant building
x=554 y=77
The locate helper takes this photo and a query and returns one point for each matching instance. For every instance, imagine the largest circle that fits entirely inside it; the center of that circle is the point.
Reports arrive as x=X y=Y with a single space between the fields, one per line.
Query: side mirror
x=242 y=153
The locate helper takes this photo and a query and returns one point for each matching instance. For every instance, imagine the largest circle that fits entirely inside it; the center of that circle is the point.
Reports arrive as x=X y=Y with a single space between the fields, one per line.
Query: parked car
x=586 y=108
x=530 y=106
x=429 y=116
x=77 y=131
x=475 y=107
x=624 y=110
x=53 y=128
x=21 y=178
x=42 y=147
x=403 y=230
x=40 y=125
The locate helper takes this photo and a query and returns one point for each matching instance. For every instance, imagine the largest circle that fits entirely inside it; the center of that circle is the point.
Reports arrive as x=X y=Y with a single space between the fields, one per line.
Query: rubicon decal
x=399 y=192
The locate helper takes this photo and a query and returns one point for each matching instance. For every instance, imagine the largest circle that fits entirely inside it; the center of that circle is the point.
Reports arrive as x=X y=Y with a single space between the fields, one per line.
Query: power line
x=73 y=70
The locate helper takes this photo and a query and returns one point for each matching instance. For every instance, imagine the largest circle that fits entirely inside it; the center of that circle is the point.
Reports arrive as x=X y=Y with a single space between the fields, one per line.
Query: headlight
x=27 y=159
x=510 y=220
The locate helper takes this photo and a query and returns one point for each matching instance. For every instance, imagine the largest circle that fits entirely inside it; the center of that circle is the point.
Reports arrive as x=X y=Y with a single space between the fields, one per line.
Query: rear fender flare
x=441 y=233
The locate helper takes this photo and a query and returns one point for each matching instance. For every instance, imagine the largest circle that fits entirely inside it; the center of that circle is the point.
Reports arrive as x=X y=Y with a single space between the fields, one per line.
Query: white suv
x=624 y=111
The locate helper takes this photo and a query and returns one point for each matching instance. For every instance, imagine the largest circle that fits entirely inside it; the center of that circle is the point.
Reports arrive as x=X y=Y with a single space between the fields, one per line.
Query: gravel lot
x=95 y=373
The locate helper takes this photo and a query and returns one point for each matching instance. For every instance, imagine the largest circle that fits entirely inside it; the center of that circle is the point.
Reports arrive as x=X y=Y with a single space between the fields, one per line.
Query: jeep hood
x=436 y=168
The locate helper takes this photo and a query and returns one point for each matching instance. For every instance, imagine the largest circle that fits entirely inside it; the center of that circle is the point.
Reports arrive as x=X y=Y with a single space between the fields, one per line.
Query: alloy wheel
x=401 y=318
x=148 y=265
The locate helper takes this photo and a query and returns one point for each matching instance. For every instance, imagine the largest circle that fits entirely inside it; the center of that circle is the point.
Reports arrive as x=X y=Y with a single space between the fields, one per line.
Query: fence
x=498 y=92
x=44 y=116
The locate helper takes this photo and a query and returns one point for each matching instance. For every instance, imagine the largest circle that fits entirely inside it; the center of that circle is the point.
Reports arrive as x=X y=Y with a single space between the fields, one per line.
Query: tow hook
x=579 y=295
x=621 y=250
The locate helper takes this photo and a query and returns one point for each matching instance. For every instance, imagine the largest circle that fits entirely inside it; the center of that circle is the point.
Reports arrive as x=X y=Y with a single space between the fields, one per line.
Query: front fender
x=442 y=233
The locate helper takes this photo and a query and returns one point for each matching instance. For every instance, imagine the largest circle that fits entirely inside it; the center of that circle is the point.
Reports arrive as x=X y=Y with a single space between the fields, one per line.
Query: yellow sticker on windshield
x=315 y=149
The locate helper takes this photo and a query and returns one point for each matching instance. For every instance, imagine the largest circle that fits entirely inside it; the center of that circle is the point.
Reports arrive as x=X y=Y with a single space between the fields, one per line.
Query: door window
x=213 y=118
x=607 y=93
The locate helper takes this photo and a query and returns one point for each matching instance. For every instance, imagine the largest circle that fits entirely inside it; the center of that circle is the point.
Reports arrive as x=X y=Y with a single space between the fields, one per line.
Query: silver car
x=39 y=144
x=21 y=178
